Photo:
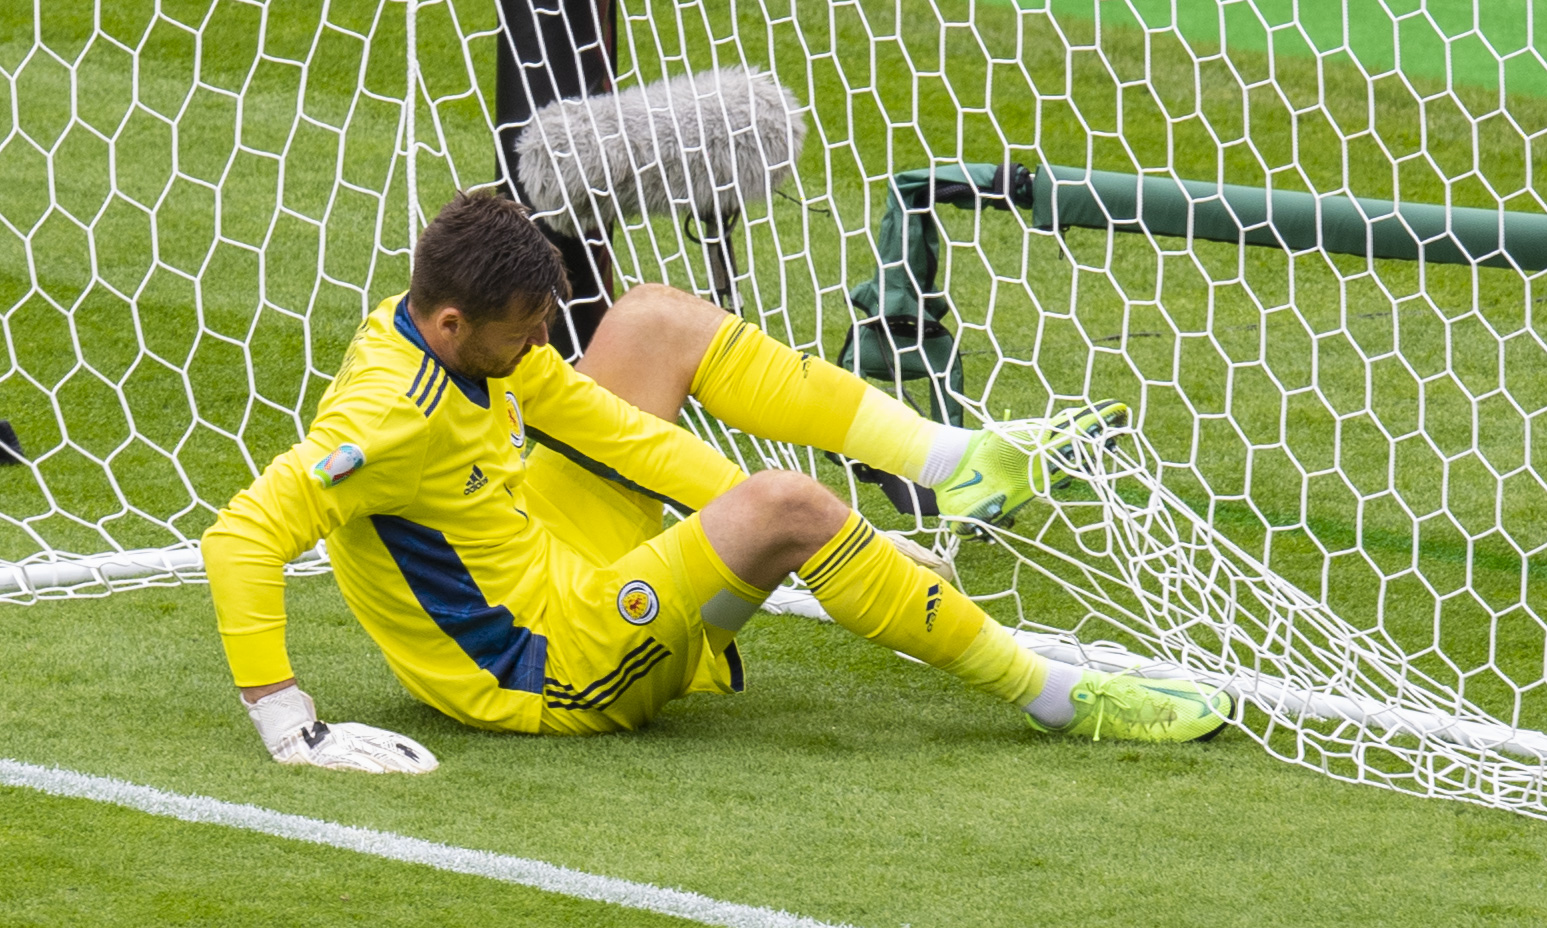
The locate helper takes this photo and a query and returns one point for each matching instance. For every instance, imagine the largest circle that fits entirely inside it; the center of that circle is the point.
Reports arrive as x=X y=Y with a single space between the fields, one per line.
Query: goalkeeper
x=494 y=515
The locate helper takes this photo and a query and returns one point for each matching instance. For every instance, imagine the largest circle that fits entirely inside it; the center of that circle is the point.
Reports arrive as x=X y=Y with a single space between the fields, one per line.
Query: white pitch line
x=518 y=870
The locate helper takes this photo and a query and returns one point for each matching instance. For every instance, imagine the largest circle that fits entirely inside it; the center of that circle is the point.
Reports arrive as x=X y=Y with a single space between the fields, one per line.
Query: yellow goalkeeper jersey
x=414 y=475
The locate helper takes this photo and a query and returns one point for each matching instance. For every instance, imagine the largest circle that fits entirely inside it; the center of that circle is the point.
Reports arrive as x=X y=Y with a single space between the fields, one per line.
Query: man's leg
x=780 y=522
x=658 y=345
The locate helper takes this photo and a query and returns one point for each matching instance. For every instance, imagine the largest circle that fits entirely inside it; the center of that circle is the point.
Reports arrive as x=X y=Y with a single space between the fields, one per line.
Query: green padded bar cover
x=1065 y=196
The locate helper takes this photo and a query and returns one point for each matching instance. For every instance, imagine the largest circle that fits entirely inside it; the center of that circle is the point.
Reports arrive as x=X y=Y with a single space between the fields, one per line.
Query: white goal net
x=1331 y=498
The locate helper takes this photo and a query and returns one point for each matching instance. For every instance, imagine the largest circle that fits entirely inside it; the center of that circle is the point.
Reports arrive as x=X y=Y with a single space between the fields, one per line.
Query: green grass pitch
x=846 y=785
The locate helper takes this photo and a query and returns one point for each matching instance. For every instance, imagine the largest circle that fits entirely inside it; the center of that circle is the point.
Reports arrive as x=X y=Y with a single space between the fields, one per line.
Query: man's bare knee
x=800 y=512
x=773 y=523
x=649 y=346
x=801 y=515
x=651 y=293
x=656 y=311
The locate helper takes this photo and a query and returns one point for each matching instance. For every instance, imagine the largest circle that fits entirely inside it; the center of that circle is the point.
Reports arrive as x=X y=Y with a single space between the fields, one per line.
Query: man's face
x=492 y=349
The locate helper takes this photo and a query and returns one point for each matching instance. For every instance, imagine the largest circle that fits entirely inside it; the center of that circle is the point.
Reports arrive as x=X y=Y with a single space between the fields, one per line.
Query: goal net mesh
x=1330 y=498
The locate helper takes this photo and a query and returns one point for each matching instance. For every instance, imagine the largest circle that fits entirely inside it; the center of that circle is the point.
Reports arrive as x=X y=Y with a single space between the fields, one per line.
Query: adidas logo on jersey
x=475 y=481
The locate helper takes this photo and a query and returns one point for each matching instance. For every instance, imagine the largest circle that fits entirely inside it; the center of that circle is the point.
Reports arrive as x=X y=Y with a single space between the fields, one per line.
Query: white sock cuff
x=1052 y=707
x=945 y=454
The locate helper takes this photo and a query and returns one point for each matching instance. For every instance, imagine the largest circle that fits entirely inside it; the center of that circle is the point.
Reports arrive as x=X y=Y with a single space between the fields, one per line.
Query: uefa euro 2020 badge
x=343 y=461
x=637 y=602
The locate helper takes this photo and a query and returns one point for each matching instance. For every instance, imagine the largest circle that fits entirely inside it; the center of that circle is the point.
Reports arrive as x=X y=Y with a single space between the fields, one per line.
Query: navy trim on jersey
x=601 y=470
x=475 y=390
x=440 y=581
x=437 y=375
x=438 y=392
x=738 y=673
x=424 y=365
x=429 y=383
x=605 y=691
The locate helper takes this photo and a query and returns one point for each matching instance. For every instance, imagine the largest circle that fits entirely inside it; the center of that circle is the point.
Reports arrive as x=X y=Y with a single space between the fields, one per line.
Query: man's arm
x=265 y=527
x=359 y=458
x=569 y=408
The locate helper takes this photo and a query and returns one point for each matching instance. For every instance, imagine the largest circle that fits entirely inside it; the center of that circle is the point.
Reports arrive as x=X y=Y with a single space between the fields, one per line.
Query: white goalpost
x=1308 y=252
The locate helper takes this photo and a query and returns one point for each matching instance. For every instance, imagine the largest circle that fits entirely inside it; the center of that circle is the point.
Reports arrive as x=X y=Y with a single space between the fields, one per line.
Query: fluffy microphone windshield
x=729 y=135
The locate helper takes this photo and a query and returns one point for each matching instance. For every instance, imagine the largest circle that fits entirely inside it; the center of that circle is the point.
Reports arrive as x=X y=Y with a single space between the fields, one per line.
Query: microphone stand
x=556 y=49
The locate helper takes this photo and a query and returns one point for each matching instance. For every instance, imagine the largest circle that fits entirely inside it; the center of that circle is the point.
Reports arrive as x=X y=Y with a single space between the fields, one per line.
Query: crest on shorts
x=637 y=602
x=513 y=414
x=343 y=461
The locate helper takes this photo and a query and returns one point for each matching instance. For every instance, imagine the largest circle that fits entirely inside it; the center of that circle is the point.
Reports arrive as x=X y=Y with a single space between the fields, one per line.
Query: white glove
x=287 y=722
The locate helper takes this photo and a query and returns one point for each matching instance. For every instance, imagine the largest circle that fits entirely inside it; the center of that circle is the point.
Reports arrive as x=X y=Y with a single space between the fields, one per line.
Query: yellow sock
x=996 y=664
x=888 y=434
x=762 y=386
x=871 y=589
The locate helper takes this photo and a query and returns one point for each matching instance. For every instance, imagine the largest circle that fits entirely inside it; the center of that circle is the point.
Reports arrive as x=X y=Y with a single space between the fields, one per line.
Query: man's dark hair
x=481 y=253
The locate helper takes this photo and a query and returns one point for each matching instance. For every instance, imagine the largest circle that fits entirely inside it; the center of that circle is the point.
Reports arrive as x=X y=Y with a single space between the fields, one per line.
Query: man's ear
x=449 y=321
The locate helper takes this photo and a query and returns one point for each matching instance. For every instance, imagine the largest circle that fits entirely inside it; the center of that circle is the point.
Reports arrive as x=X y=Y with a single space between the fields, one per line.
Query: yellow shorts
x=624 y=628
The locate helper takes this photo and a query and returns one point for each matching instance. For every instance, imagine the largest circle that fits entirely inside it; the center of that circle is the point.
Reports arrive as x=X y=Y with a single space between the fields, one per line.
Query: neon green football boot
x=996 y=476
x=1132 y=708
